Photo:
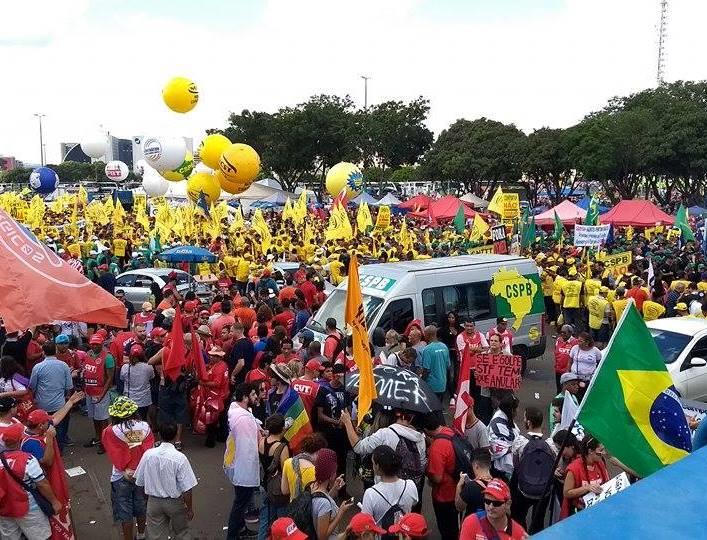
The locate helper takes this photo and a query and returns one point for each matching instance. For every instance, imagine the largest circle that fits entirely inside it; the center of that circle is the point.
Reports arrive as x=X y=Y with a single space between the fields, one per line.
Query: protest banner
x=612 y=487
x=617 y=264
x=498 y=370
x=382 y=220
x=481 y=249
x=511 y=206
x=590 y=235
x=500 y=242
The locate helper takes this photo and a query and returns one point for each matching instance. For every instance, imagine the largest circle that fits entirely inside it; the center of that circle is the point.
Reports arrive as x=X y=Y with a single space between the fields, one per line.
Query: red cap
x=313 y=365
x=38 y=416
x=191 y=305
x=103 y=332
x=410 y=524
x=498 y=490
x=136 y=350
x=284 y=528
x=204 y=313
x=158 y=331
x=362 y=523
x=96 y=339
x=12 y=434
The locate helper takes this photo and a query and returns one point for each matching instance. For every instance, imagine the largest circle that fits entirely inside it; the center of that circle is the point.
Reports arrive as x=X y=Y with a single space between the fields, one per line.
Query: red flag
x=197 y=357
x=176 y=357
x=38 y=287
x=464 y=400
x=341 y=199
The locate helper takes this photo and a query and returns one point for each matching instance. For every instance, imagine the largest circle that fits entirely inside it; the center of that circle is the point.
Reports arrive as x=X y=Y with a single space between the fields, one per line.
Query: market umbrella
x=399 y=388
x=192 y=254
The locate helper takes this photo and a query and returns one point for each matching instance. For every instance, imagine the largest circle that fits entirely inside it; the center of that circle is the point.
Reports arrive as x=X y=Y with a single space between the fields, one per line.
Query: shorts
x=34 y=525
x=173 y=406
x=98 y=411
x=128 y=501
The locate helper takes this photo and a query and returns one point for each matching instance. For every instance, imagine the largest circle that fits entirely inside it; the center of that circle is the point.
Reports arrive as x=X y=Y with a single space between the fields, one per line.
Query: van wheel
x=522 y=351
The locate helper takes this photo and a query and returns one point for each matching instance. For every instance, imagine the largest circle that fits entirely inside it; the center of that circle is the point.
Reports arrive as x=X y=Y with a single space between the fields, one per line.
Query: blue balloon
x=43 y=180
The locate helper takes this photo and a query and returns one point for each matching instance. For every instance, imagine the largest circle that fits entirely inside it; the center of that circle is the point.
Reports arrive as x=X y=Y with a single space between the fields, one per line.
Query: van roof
x=399 y=269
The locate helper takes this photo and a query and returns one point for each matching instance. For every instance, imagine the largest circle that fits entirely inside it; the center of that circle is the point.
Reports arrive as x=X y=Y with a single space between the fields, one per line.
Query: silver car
x=137 y=283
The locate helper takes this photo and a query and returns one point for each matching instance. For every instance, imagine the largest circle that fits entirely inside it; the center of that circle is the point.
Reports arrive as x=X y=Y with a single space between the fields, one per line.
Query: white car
x=683 y=343
x=137 y=283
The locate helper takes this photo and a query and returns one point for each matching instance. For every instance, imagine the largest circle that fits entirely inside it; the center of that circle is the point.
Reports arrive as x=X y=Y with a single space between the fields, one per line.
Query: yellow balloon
x=182 y=172
x=180 y=95
x=211 y=148
x=344 y=175
x=240 y=163
x=205 y=183
x=234 y=188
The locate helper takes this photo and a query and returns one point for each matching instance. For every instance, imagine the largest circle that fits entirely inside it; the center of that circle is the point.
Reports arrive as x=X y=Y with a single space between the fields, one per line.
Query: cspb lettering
x=518 y=290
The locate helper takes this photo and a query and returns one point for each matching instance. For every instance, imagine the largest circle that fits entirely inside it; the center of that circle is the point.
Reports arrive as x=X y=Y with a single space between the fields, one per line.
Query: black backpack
x=463 y=453
x=535 y=468
x=300 y=510
x=411 y=468
x=392 y=515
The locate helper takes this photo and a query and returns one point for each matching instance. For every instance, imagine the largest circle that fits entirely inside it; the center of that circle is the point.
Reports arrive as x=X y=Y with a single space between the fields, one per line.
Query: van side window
x=469 y=300
x=698 y=351
x=397 y=315
x=429 y=306
x=478 y=300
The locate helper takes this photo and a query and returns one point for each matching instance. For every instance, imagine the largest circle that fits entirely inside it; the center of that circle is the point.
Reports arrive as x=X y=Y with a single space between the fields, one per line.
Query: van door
x=693 y=371
x=397 y=315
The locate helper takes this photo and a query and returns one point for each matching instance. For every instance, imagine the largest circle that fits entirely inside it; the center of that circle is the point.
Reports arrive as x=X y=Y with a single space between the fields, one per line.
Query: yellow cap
x=572 y=271
x=681 y=306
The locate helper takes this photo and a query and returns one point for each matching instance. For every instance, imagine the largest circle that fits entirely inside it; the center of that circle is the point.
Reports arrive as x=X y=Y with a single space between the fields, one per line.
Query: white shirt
x=378 y=499
x=165 y=472
x=241 y=461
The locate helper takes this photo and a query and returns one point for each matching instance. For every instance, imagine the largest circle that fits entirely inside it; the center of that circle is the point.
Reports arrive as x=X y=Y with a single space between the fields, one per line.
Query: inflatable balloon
x=180 y=95
x=203 y=183
x=344 y=175
x=212 y=147
x=234 y=188
x=153 y=184
x=43 y=180
x=117 y=170
x=182 y=172
x=240 y=164
x=140 y=166
x=202 y=167
x=164 y=153
x=94 y=146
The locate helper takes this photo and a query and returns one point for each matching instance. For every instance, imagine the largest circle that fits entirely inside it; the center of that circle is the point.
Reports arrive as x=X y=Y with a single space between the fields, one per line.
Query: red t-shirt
x=286 y=319
x=218 y=324
x=472 y=530
x=331 y=342
x=562 y=353
x=441 y=463
x=639 y=296
x=282 y=359
x=309 y=291
x=308 y=391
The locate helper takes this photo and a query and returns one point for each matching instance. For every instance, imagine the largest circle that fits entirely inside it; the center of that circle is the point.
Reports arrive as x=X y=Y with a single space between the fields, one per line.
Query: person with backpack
x=298 y=471
x=273 y=451
x=502 y=432
x=494 y=523
x=469 y=497
x=534 y=460
x=334 y=341
x=391 y=497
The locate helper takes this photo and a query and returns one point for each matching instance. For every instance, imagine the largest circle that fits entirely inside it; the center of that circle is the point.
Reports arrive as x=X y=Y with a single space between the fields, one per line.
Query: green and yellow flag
x=631 y=405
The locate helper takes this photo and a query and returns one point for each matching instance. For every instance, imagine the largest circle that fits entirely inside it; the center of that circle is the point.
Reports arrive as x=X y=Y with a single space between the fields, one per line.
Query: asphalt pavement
x=90 y=492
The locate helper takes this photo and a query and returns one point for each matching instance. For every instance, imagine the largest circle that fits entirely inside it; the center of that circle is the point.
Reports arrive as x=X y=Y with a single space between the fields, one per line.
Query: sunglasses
x=493 y=503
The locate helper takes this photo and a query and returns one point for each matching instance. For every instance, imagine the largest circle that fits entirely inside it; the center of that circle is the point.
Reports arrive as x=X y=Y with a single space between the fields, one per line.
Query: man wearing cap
x=494 y=523
x=411 y=526
x=681 y=310
x=146 y=317
x=98 y=372
x=568 y=382
x=120 y=295
x=51 y=383
x=20 y=515
x=285 y=528
x=308 y=389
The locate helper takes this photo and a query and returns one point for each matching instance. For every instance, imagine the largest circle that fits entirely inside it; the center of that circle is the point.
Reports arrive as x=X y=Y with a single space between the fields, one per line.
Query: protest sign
x=590 y=236
x=511 y=206
x=612 y=487
x=498 y=237
x=481 y=249
x=498 y=371
x=382 y=220
x=617 y=264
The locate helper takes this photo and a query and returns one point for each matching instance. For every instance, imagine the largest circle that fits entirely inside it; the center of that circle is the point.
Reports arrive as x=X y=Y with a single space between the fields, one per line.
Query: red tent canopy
x=417 y=203
x=637 y=213
x=445 y=208
x=569 y=213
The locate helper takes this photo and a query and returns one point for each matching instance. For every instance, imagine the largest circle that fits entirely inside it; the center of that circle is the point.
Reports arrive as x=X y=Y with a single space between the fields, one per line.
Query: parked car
x=682 y=341
x=137 y=283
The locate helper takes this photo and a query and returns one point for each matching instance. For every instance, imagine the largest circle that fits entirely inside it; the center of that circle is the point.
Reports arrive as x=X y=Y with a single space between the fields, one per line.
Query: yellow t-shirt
x=619 y=306
x=557 y=289
x=336 y=268
x=548 y=284
x=652 y=310
x=203 y=269
x=231 y=265
x=243 y=270
x=597 y=307
x=288 y=471
x=571 y=291
x=591 y=288
x=119 y=247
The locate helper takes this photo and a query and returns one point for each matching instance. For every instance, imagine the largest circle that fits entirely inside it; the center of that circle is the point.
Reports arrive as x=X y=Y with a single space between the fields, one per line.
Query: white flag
x=569 y=410
x=651 y=275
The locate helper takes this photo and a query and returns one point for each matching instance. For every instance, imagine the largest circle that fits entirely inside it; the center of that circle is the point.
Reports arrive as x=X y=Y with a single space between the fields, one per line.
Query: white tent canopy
x=388 y=200
x=478 y=202
x=256 y=192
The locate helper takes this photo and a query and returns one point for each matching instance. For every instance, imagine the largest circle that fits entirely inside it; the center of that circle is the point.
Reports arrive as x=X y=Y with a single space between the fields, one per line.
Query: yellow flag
x=479 y=228
x=364 y=218
x=261 y=227
x=238 y=221
x=82 y=195
x=629 y=233
x=496 y=204
x=300 y=208
x=339 y=225
x=287 y=211
x=404 y=237
x=356 y=319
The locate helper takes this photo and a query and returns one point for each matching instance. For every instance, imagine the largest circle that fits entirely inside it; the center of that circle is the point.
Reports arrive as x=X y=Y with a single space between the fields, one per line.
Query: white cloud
x=546 y=69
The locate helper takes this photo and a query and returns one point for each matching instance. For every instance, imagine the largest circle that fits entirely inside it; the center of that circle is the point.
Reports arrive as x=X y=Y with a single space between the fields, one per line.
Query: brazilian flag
x=631 y=405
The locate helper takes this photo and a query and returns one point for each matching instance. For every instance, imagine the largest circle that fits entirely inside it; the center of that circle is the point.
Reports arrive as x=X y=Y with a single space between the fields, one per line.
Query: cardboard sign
x=382 y=220
x=511 y=206
x=612 y=487
x=590 y=236
x=499 y=239
x=617 y=264
x=498 y=371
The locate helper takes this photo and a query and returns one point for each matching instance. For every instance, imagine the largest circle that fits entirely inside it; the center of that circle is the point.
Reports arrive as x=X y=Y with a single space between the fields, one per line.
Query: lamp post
x=365 y=91
x=41 y=138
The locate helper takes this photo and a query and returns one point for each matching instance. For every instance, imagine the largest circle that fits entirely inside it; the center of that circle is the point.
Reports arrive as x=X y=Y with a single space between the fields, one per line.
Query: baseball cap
x=313 y=365
x=306 y=334
x=681 y=306
x=136 y=350
x=61 y=339
x=498 y=490
x=38 y=416
x=7 y=403
x=96 y=340
x=191 y=305
x=158 y=331
x=284 y=528
x=500 y=320
x=568 y=377
x=411 y=524
x=362 y=523
x=14 y=433
x=204 y=313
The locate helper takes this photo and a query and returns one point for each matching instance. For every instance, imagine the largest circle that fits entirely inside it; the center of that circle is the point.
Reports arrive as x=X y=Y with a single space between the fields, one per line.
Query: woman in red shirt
x=585 y=475
x=211 y=395
x=563 y=346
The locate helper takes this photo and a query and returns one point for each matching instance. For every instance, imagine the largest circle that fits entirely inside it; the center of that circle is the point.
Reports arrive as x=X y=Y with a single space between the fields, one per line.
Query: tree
x=545 y=163
x=476 y=153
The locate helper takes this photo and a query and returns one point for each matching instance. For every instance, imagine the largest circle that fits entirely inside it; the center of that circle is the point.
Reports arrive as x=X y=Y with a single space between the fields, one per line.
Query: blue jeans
x=62 y=431
x=241 y=499
x=269 y=513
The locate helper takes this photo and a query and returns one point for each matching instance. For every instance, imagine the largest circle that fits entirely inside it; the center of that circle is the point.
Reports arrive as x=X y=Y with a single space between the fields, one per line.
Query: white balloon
x=95 y=145
x=202 y=167
x=116 y=170
x=153 y=184
x=164 y=153
x=140 y=167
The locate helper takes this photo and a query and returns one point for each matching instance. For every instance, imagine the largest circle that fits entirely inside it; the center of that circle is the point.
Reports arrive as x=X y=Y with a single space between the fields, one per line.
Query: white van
x=475 y=286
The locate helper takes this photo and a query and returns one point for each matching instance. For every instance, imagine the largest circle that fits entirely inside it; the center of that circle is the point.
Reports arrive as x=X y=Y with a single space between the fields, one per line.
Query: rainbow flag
x=292 y=407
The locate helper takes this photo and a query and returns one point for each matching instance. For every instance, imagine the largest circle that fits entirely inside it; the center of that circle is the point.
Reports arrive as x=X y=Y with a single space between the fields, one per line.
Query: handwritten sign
x=499 y=238
x=511 y=206
x=382 y=220
x=498 y=371
x=590 y=236
x=612 y=487
x=395 y=386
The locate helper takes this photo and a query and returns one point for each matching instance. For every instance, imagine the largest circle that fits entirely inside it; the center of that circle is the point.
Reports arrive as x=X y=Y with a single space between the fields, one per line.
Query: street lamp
x=41 y=137
x=365 y=91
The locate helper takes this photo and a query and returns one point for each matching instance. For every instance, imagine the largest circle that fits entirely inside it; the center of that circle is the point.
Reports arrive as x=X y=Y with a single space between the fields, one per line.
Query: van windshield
x=336 y=304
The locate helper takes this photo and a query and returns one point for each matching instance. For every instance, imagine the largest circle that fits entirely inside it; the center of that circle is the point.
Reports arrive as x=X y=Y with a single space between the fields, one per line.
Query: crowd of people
x=492 y=479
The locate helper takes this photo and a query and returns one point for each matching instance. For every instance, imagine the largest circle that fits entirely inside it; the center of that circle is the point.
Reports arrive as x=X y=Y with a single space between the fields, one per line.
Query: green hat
x=123 y=407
